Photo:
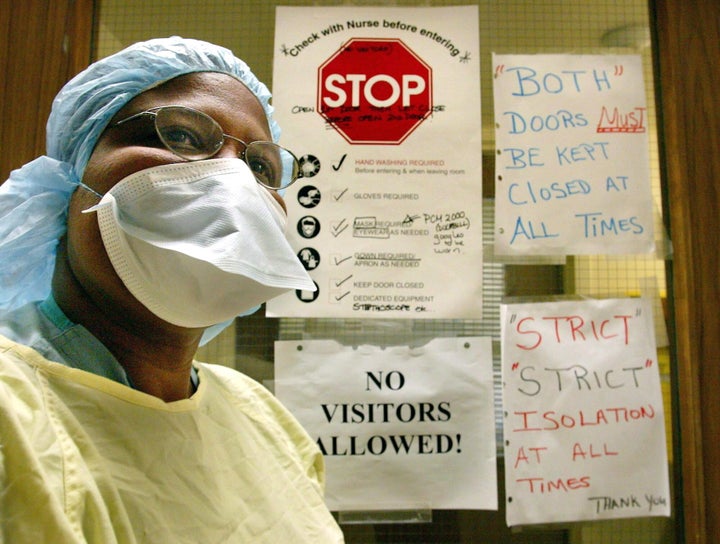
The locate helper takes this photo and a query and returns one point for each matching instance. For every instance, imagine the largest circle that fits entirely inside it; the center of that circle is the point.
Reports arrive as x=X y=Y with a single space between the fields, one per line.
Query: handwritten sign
x=572 y=165
x=400 y=427
x=583 y=416
x=382 y=107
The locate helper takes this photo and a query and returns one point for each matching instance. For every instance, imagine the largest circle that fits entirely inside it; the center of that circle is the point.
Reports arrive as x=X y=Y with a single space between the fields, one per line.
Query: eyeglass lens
x=194 y=135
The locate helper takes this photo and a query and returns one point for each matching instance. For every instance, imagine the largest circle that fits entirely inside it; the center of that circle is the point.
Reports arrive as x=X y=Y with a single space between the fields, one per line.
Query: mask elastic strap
x=93 y=191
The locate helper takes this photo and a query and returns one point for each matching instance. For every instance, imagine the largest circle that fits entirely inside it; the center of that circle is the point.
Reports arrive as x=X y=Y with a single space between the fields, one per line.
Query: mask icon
x=308 y=227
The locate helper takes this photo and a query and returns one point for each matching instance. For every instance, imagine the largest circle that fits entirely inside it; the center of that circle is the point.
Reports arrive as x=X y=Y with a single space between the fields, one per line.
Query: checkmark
x=339 y=227
x=338 y=232
x=338 y=283
x=338 y=196
x=340 y=260
x=342 y=296
x=342 y=160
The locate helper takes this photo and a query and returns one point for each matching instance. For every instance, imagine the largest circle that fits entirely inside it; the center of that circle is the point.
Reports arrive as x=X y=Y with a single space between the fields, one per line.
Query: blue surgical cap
x=34 y=200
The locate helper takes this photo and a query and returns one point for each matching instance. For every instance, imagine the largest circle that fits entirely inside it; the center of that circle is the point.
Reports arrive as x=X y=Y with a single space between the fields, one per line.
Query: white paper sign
x=400 y=427
x=584 y=426
x=572 y=167
x=382 y=107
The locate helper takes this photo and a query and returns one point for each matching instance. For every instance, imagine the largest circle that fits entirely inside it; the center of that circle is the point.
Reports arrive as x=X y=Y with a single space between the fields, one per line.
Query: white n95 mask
x=198 y=243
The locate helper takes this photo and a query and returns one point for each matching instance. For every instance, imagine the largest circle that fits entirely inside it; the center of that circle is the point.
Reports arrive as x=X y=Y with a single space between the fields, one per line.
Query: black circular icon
x=308 y=226
x=309 y=166
x=308 y=296
x=309 y=196
x=309 y=257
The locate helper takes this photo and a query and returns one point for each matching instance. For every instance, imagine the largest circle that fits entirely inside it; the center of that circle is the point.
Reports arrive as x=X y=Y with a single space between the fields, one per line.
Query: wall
x=688 y=36
x=42 y=45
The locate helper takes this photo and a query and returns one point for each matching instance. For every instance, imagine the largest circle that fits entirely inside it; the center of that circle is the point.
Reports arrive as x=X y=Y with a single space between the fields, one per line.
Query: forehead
x=220 y=95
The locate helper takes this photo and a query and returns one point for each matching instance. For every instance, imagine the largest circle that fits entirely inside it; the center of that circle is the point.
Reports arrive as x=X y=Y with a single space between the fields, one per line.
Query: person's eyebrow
x=129 y=110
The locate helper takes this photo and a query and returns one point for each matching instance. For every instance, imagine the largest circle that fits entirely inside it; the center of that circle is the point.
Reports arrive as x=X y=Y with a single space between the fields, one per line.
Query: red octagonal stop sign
x=374 y=91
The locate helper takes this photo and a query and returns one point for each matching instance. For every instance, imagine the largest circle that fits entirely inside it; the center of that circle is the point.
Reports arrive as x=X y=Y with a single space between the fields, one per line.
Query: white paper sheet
x=382 y=106
x=401 y=428
x=584 y=426
x=572 y=169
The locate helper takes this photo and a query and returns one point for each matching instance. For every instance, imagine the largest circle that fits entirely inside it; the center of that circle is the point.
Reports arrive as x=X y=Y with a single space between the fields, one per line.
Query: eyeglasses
x=194 y=135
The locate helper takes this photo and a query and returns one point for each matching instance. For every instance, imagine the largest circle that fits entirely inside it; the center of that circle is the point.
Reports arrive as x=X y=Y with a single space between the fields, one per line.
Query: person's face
x=133 y=146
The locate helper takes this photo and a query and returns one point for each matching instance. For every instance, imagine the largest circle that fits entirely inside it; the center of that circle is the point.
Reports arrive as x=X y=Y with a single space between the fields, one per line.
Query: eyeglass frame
x=154 y=112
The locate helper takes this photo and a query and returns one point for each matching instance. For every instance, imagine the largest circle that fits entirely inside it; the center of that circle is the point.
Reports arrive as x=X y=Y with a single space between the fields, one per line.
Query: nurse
x=152 y=222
